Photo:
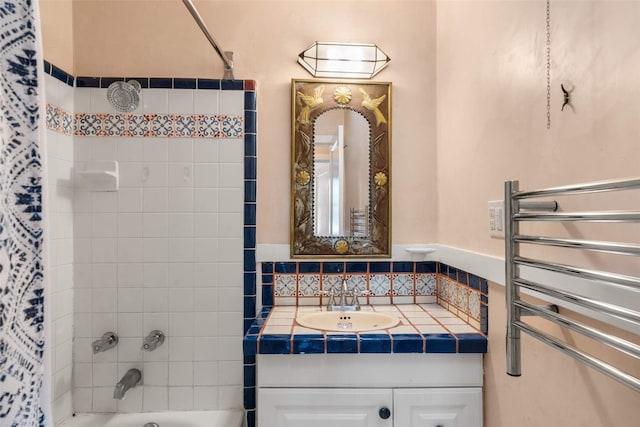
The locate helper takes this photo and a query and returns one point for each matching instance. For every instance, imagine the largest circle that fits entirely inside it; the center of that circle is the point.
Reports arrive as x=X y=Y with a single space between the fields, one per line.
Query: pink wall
x=159 y=38
x=491 y=127
x=491 y=93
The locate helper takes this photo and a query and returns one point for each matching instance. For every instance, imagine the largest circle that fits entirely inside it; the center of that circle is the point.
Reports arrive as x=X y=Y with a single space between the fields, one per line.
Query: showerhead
x=124 y=96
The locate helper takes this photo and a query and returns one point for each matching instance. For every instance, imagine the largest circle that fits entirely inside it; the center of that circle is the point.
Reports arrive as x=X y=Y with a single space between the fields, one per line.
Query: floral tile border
x=145 y=125
x=301 y=283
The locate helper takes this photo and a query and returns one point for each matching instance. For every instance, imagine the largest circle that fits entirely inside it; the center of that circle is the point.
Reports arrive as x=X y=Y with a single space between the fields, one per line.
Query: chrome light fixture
x=343 y=60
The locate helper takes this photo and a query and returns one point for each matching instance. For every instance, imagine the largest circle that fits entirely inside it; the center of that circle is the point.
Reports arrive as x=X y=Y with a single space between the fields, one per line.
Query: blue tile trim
x=250 y=283
x=407 y=343
x=160 y=83
x=267 y=267
x=249 y=398
x=375 y=343
x=403 y=267
x=250 y=122
x=380 y=267
x=250 y=170
x=333 y=267
x=47 y=67
x=250 y=191
x=275 y=344
x=440 y=343
x=426 y=267
x=356 y=267
x=249 y=214
x=342 y=344
x=250 y=345
x=249 y=237
x=472 y=343
x=285 y=267
x=209 y=84
x=250 y=145
x=309 y=267
x=308 y=344
x=267 y=295
x=180 y=83
x=58 y=73
x=250 y=101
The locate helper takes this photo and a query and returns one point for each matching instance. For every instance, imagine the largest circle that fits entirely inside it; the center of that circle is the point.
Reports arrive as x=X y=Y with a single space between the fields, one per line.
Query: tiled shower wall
x=166 y=250
x=59 y=205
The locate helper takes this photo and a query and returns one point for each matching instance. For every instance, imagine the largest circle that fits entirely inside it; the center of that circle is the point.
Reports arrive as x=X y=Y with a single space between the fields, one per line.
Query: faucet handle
x=357 y=293
x=107 y=341
x=331 y=293
x=153 y=340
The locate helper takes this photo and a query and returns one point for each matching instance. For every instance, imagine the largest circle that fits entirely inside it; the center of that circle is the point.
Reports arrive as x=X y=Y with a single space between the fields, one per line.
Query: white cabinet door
x=308 y=407
x=438 y=407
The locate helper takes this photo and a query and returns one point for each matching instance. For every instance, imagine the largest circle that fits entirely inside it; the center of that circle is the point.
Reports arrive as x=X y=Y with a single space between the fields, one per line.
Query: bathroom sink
x=352 y=321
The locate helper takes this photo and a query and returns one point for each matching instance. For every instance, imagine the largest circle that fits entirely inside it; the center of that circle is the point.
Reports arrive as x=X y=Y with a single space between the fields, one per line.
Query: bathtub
x=162 y=419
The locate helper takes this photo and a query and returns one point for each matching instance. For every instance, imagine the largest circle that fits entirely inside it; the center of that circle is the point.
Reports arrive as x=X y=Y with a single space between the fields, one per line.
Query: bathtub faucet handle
x=107 y=341
x=153 y=340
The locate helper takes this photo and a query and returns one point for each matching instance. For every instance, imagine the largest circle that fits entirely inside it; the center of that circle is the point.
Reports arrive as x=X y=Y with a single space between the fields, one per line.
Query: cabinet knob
x=384 y=413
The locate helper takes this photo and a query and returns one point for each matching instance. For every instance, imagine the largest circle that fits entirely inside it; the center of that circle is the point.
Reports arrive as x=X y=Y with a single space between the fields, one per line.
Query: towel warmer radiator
x=519 y=208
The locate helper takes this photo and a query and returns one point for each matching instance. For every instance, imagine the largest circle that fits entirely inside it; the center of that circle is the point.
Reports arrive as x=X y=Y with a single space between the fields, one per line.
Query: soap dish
x=419 y=253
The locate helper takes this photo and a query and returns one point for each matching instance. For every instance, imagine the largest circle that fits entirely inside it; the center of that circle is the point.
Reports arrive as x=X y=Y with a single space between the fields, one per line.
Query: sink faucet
x=129 y=380
x=344 y=304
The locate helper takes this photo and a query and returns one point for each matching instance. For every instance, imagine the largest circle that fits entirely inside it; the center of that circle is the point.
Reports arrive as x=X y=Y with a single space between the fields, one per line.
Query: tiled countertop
x=423 y=328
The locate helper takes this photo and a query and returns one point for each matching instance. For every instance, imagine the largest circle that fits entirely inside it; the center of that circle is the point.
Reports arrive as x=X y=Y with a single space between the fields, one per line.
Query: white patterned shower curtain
x=21 y=221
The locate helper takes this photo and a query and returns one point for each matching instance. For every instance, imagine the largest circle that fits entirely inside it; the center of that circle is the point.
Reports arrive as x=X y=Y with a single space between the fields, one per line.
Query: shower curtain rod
x=226 y=56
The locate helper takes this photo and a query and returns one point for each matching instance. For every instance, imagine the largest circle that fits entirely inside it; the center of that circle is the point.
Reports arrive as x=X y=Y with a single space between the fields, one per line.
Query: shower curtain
x=21 y=222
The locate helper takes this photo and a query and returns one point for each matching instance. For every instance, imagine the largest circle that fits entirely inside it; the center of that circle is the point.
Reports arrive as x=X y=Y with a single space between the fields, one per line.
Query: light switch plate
x=496 y=218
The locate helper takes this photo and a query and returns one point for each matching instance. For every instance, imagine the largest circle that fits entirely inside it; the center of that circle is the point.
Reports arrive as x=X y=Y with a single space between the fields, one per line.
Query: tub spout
x=129 y=380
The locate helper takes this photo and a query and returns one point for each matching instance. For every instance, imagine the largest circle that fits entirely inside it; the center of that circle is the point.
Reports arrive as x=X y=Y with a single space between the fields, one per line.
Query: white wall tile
x=155 y=321
x=231 y=175
x=231 y=200
x=206 y=225
x=205 y=200
x=130 y=250
x=155 y=101
x=62 y=382
x=230 y=348
x=231 y=102
x=206 y=274
x=181 y=349
x=103 y=400
x=205 y=349
x=156 y=300
x=81 y=225
x=130 y=324
x=205 y=151
x=130 y=200
x=181 y=200
x=205 y=324
x=180 y=299
x=130 y=275
x=132 y=404
x=105 y=300
x=131 y=175
x=205 y=398
x=181 y=149
x=130 y=301
x=231 y=225
x=156 y=250
x=181 y=101
x=180 y=373
x=155 y=225
x=181 y=249
x=82 y=400
x=206 y=250
x=83 y=300
x=180 y=398
x=181 y=224
x=181 y=275
x=229 y=397
x=104 y=275
x=105 y=374
x=103 y=202
x=155 y=275
x=99 y=101
x=205 y=175
x=63 y=357
x=156 y=373
x=230 y=373
x=129 y=150
x=155 y=175
x=130 y=350
x=83 y=375
x=82 y=99
x=181 y=325
x=83 y=350
x=103 y=149
x=230 y=249
x=104 y=322
x=82 y=325
x=155 y=200
x=156 y=150
x=205 y=373
x=181 y=175
x=230 y=323
x=206 y=299
x=155 y=399
x=205 y=101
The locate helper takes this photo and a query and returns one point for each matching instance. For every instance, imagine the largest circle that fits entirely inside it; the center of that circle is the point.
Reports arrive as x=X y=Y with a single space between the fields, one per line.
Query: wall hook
x=567 y=97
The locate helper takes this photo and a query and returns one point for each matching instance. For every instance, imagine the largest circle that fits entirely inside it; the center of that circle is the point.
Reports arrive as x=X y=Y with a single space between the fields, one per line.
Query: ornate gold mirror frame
x=310 y=100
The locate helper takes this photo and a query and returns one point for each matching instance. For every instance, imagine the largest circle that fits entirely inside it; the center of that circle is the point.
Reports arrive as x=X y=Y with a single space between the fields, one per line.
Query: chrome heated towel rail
x=519 y=209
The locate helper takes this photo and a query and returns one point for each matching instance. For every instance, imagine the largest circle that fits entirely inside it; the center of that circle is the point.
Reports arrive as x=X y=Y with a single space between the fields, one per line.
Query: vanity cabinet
x=435 y=407
x=364 y=390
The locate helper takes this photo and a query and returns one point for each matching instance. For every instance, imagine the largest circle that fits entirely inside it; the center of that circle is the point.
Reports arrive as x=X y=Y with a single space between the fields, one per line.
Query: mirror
x=340 y=172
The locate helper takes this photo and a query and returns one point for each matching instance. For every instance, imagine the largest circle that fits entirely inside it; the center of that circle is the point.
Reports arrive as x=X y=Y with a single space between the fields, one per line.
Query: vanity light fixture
x=343 y=60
